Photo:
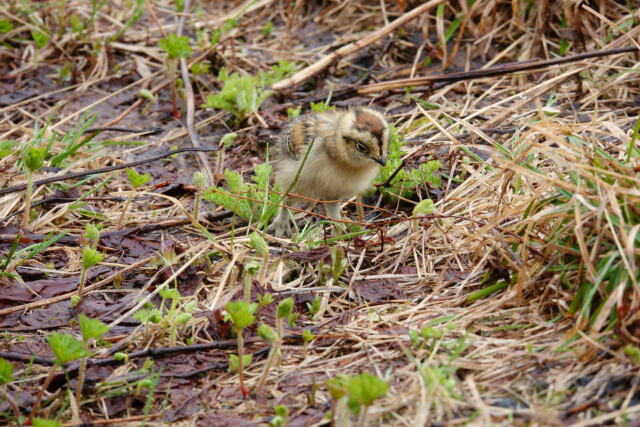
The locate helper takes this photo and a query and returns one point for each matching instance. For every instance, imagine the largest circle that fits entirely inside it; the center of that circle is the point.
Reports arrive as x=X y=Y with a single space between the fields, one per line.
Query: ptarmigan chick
x=347 y=149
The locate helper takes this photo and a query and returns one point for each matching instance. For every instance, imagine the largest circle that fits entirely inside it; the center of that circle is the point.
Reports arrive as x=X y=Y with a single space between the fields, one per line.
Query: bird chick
x=345 y=151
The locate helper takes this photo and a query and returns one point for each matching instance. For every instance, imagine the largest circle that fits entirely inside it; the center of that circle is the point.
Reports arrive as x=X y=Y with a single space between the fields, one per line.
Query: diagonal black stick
x=73 y=175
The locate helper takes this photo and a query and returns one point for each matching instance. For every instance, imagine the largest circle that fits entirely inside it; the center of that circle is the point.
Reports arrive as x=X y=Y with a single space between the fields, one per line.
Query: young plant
x=337 y=387
x=307 y=337
x=250 y=270
x=225 y=142
x=42 y=422
x=175 y=315
x=285 y=311
x=250 y=201
x=241 y=315
x=363 y=390
x=200 y=182
x=242 y=96
x=136 y=180
x=176 y=47
x=65 y=349
x=257 y=242
x=90 y=257
x=32 y=159
x=90 y=329
x=282 y=416
x=6 y=376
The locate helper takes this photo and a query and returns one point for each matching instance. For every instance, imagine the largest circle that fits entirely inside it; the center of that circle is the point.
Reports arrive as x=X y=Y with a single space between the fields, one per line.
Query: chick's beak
x=381 y=160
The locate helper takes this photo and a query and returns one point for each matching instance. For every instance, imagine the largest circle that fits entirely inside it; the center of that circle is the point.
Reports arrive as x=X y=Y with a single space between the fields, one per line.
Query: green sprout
x=241 y=315
x=363 y=390
x=32 y=159
x=176 y=48
x=200 y=182
x=90 y=256
x=6 y=376
x=65 y=349
x=136 y=180
x=90 y=329
x=282 y=416
x=242 y=96
x=225 y=142
x=284 y=311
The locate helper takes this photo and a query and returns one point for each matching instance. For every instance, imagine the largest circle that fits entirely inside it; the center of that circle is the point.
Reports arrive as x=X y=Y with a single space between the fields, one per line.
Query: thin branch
x=74 y=175
x=324 y=63
x=489 y=72
x=188 y=92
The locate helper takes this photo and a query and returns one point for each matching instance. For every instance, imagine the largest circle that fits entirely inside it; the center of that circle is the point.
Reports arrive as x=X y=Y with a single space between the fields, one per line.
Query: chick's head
x=363 y=135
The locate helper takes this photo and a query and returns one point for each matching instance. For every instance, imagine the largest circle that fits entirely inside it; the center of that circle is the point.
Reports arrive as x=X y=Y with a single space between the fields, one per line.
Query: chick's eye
x=361 y=147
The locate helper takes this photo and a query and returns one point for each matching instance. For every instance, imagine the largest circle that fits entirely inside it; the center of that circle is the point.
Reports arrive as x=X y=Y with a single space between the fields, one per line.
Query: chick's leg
x=281 y=226
x=333 y=212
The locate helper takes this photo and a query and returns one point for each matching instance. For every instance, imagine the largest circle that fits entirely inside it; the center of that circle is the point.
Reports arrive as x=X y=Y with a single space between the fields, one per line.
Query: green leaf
x=365 y=388
x=92 y=233
x=35 y=158
x=307 y=336
x=314 y=307
x=424 y=207
x=267 y=333
x=241 y=313
x=294 y=113
x=337 y=386
x=183 y=318
x=428 y=332
x=169 y=293
x=40 y=38
x=6 y=372
x=138 y=180
x=91 y=257
x=6 y=148
x=176 y=46
x=233 y=361
x=252 y=267
x=267 y=29
x=5 y=26
x=42 y=422
x=257 y=242
x=633 y=353
x=228 y=139
x=66 y=348
x=91 y=328
x=265 y=299
x=285 y=308
x=199 y=179
x=76 y=24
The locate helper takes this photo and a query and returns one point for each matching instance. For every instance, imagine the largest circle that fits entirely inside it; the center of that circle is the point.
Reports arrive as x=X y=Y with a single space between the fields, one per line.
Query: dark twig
x=489 y=72
x=188 y=93
x=74 y=175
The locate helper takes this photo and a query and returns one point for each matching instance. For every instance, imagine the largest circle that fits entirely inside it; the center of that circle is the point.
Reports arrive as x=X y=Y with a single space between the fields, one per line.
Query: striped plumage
x=346 y=148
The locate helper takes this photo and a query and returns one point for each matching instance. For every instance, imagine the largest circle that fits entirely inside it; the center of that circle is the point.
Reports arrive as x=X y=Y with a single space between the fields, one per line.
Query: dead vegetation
x=514 y=300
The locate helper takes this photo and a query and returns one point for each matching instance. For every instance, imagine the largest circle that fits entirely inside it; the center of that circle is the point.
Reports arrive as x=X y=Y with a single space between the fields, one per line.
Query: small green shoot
x=43 y=422
x=363 y=390
x=90 y=256
x=225 y=142
x=282 y=417
x=90 y=329
x=241 y=315
x=136 y=180
x=65 y=349
x=6 y=376
x=200 y=182
x=284 y=311
x=242 y=96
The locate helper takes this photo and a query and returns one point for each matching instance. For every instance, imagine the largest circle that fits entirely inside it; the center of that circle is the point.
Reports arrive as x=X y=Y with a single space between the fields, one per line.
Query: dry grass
x=527 y=271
